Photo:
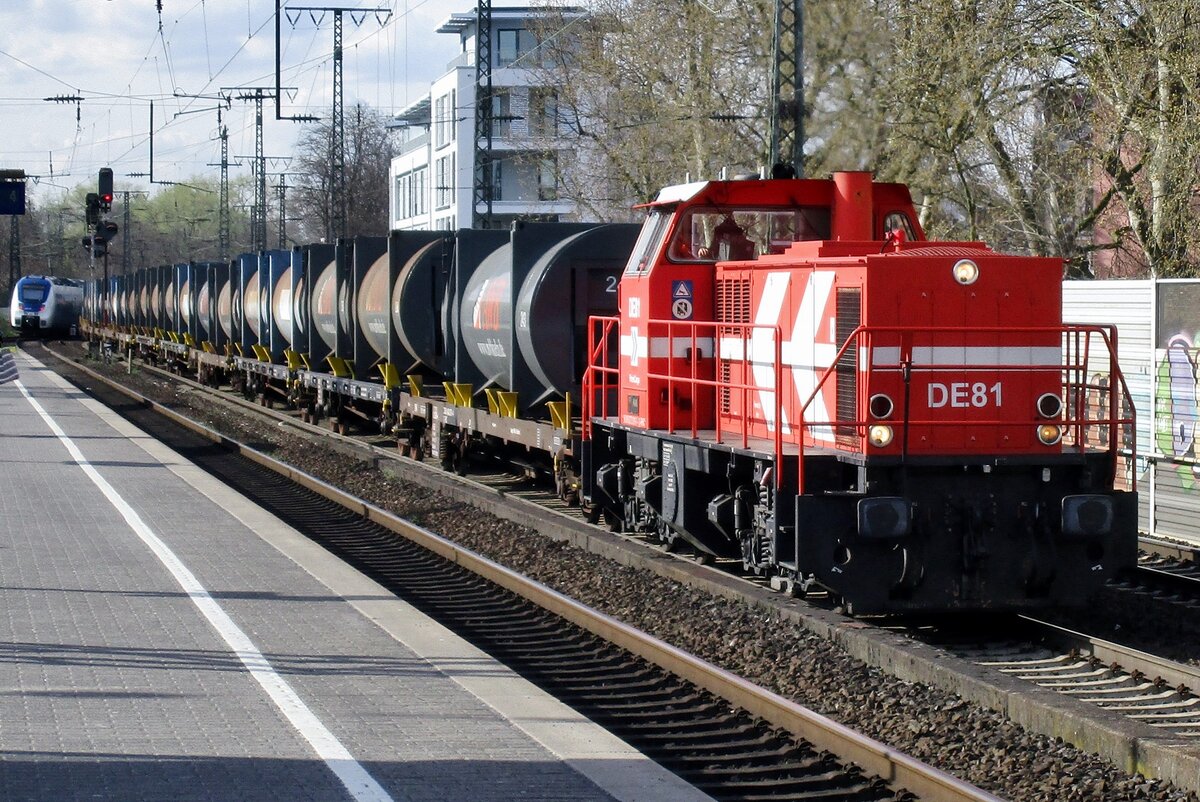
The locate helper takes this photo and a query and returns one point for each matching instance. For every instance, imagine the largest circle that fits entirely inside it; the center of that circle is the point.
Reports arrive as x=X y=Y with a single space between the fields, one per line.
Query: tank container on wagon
x=368 y=303
x=117 y=289
x=322 y=279
x=128 y=300
x=169 y=315
x=144 y=289
x=524 y=311
x=377 y=335
x=472 y=249
x=285 y=265
x=114 y=298
x=203 y=301
x=185 y=289
x=220 y=311
x=275 y=287
x=418 y=294
x=312 y=261
x=243 y=280
x=344 y=305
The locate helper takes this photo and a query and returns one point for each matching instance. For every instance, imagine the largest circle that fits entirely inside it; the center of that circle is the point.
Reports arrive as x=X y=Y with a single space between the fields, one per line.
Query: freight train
x=46 y=304
x=782 y=371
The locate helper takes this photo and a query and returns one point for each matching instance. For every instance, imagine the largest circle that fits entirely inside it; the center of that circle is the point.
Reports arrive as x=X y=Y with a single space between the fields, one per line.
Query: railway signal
x=93 y=209
x=98 y=240
x=106 y=188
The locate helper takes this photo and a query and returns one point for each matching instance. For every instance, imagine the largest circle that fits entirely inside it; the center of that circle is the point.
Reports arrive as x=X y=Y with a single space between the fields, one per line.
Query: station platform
x=163 y=639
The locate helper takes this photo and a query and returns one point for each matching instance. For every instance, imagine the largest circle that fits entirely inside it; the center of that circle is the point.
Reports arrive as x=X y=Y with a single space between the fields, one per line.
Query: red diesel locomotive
x=797 y=377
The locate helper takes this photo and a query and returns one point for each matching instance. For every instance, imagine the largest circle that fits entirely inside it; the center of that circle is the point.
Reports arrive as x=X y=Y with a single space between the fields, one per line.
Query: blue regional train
x=46 y=304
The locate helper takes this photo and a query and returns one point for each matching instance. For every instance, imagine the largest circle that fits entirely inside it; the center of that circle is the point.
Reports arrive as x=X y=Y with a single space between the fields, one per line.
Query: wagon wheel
x=446 y=450
x=460 y=466
x=566 y=482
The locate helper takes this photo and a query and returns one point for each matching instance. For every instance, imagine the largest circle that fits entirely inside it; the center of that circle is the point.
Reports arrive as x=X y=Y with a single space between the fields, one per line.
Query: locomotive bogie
x=717 y=499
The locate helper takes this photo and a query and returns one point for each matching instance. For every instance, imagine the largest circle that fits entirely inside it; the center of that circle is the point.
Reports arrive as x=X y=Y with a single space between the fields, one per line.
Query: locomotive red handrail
x=1072 y=389
x=602 y=378
x=609 y=375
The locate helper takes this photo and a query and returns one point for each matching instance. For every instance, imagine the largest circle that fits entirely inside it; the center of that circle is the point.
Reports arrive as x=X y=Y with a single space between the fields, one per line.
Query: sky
x=121 y=56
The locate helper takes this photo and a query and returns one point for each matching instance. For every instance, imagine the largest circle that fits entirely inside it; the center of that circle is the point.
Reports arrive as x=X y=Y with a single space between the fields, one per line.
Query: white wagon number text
x=964 y=394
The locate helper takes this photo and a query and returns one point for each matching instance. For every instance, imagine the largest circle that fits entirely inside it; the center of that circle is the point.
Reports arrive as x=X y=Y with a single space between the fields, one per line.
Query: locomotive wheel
x=612 y=521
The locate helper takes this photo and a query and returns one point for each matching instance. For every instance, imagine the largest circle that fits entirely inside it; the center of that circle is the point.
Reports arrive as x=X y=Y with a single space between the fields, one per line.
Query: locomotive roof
x=762 y=192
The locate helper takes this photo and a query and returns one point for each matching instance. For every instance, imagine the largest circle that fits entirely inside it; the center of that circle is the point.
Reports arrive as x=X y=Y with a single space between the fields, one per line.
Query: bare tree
x=370 y=146
x=662 y=91
x=1141 y=63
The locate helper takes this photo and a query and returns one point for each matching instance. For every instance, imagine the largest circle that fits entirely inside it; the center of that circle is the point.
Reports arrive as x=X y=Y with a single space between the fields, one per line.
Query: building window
x=444 y=120
x=420 y=196
x=543 y=112
x=512 y=44
x=502 y=116
x=548 y=178
x=497 y=180
x=445 y=178
x=412 y=198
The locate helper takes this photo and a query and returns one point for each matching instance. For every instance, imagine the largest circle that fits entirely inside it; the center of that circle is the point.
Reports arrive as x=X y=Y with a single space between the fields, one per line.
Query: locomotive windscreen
x=34 y=293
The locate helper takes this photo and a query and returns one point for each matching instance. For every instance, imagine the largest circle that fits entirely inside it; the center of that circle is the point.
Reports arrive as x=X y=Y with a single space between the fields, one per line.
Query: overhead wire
x=390 y=32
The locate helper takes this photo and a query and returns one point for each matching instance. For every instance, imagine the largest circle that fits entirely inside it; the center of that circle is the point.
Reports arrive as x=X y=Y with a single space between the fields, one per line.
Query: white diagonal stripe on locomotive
x=800 y=352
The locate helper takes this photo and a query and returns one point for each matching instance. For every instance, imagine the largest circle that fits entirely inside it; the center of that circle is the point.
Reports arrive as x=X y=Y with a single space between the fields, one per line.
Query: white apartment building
x=433 y=179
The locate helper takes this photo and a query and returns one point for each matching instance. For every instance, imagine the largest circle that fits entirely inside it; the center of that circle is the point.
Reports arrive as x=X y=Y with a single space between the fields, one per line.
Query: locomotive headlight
x=1049 y=405
x=965 y=271
x=880 y=435
x=1049 y=433
x=880 y=406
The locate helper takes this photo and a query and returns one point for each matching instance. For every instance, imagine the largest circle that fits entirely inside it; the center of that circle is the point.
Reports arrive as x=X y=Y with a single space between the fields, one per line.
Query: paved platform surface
x=163 y=639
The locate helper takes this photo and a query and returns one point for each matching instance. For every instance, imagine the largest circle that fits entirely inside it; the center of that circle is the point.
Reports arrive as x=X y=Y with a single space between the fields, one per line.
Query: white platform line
x=361 y=785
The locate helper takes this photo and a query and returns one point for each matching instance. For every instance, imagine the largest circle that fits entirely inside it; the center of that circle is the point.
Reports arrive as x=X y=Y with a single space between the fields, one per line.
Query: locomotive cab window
x=899 y=220
x=33 y=293
x=648 y=244
x=713 y=235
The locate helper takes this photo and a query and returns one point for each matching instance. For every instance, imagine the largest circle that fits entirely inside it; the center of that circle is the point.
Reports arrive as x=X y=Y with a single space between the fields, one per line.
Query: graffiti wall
x=1176 y=400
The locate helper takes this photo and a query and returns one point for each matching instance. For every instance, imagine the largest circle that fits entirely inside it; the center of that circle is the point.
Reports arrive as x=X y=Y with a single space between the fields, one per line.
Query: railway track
x=727 y=736
x=1170 y=569
x=1161 y=693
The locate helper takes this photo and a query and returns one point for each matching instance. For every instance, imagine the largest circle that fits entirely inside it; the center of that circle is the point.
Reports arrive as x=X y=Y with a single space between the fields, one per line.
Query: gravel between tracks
x=976 y=744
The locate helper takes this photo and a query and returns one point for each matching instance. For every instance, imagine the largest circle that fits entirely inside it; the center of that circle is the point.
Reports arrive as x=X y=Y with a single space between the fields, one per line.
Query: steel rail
x=1124 y=658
